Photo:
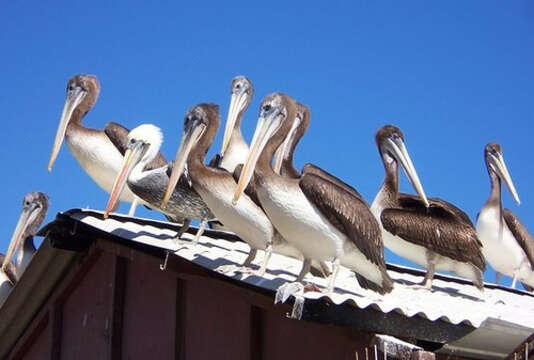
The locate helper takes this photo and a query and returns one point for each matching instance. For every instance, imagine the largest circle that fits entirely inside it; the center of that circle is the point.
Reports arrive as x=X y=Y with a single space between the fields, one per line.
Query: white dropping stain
x=84 y=322
x=438 y=233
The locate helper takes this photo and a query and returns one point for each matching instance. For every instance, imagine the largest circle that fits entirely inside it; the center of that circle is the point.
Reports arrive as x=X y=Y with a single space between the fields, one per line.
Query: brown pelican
x=216 y=186
x=185 y=204
x=430 y=232
x=99 y=152
x=234 y=149
x=321 y=219
x=508 y=246
x=34 y=207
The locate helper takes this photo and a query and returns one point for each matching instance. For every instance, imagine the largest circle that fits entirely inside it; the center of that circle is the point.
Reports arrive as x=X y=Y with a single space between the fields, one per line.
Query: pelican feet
x=229 y=269
x=426 y=284
x=295 y=289
x=183 y=229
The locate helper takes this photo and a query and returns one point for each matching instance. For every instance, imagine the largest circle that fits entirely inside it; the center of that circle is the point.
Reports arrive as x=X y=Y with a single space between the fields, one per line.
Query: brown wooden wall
x=118 y=304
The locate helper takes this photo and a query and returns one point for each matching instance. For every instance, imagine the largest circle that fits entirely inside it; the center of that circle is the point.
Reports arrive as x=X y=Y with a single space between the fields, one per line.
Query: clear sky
x=452 y=75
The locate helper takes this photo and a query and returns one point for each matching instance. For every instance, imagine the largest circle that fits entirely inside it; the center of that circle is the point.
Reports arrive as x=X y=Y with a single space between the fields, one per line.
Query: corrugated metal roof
x=453 y=300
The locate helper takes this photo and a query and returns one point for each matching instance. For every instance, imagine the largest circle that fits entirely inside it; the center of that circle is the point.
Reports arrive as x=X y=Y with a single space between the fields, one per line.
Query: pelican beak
x=237 y=103
x=399 y=151
x=266 y=127
x=28 y=215
x=283 y=150
x=132 y=156
x=74 y=98
x=190 y=137
x=497 y=161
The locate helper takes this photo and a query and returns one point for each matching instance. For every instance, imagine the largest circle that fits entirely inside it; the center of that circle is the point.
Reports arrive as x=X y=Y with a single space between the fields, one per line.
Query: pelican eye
x=132 y=141
x=267 y=107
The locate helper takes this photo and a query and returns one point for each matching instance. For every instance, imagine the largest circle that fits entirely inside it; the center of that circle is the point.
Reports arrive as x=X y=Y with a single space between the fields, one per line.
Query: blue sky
x=452 y=75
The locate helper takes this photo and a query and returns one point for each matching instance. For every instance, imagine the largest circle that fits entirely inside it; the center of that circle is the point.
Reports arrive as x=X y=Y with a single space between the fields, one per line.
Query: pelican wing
x=312 y=169
x=520 y=233
x=118 y=135
x=348 y=213
x=442 y=229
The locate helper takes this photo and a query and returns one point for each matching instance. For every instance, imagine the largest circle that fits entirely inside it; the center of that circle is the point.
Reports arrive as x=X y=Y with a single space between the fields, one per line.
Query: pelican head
x=34 y=207
x=495 y=163
x=198 y=120
x=242 y=92
x=143 y=145
x=275 y=109
x=82 y=93
x=390 y=142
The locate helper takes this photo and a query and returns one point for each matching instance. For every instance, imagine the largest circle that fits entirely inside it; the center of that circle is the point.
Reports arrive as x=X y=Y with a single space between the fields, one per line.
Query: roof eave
x=46 y=268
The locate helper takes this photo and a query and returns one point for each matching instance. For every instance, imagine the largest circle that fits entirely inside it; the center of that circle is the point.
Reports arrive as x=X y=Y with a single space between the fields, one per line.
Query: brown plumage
x=522 y=236
x=331 y=198
x=441 y=228
x=313 y=173
x=99 y=152
x=315 y=170
x=351 y=216
x=413 y=222
x=116 y=133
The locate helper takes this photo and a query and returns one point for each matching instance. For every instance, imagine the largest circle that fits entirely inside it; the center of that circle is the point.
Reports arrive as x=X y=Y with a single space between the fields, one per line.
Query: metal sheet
x=451 y=301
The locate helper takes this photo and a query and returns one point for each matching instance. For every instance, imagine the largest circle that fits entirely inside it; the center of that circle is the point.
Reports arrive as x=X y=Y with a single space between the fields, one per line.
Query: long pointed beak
x=74 y=98
x=237 y=102
x=283 y=150
x=189 y=138
x=131 y=158
x=403 y=157
x=503 y=173
x=26 y=217
x=264 y=129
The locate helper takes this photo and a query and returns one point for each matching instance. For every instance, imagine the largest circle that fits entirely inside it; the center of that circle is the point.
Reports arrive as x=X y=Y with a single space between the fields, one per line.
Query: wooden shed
x=95 y=290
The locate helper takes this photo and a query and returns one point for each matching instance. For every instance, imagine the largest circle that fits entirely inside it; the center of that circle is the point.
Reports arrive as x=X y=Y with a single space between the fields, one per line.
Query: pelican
x=185 y=204
x=216 y=186
x=234 y=149
x=34 y=207
x=99 y=152
x=430 y=232
x=320 y=218
x=508 y=246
